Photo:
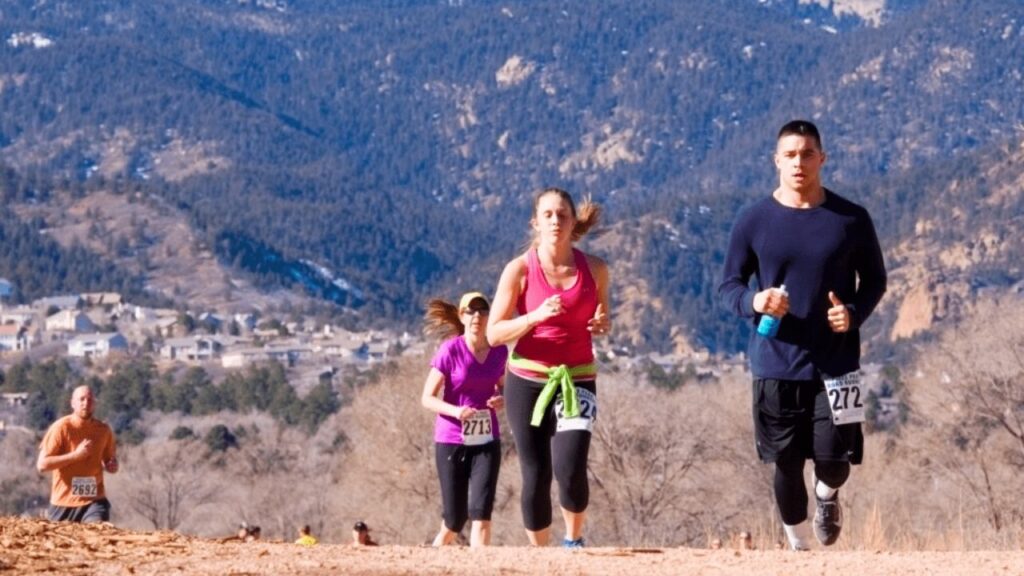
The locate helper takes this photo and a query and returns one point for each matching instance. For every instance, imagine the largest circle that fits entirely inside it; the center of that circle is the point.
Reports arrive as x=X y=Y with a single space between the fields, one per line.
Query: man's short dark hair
x=801 y=128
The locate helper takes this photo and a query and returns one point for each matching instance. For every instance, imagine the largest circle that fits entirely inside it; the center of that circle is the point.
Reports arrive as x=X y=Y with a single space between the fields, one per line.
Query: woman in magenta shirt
x=551 y=301
x=464 y=388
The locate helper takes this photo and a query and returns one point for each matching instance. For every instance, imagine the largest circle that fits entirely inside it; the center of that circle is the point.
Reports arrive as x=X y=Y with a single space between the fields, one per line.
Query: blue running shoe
x=577 y=543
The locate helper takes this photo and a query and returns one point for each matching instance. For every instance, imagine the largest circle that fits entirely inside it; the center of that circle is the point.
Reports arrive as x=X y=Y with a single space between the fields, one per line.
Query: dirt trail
x=38 y=547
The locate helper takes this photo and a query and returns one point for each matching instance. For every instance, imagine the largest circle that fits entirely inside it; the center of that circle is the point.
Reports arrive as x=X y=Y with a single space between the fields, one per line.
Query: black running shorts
x=97 y=511
x=795 y=415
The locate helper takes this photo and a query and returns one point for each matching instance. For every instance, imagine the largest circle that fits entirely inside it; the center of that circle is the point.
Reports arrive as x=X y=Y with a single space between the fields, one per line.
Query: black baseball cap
x=361 y=526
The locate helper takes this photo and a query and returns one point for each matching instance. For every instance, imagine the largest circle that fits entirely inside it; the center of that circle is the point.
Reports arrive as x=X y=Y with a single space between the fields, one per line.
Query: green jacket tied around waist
x=559 y=378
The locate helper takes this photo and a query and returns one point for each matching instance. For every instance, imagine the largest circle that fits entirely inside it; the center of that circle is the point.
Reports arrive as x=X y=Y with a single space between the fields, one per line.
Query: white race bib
x=477 y=429
x=588 y=412
x=84 y=486
x=846 y=398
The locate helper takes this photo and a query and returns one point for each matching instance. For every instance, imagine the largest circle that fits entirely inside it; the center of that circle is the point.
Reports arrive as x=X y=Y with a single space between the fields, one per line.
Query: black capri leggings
x=544 y=454
x=469 y=480
x=790 y=490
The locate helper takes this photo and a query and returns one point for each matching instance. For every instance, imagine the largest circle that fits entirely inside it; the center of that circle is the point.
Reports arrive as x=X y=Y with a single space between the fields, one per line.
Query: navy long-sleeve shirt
x=831 y=247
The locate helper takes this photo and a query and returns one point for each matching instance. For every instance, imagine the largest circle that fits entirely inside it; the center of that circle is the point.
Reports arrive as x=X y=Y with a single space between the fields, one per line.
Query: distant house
x=69 y=321
x=141 y=313
x=102 y=299
x=210 y=322
x=345 y=348
x=15 y=398
x=13 y=338
x=58 y=302
x=288 y=354
x=377 y=350
x=96 y=345
x=192 y=348
x=164 y=325
x=160 y=321
x=245 y=320
x=267 y=333
x=20 y=315
x=243 y=357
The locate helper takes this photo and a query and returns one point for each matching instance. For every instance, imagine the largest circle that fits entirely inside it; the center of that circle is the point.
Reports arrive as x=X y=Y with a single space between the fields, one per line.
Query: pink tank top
x=562 y=339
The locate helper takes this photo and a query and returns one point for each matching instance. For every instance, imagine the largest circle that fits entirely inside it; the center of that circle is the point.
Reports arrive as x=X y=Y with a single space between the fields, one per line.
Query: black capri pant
x=545 y=454
x=469 y=481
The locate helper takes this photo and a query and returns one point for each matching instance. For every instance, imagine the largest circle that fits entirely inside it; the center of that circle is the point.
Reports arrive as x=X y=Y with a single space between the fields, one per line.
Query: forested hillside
x=396 y=144
x=39 y=266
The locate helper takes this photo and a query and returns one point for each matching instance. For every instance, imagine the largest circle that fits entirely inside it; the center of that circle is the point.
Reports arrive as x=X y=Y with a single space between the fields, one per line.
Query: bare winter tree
x=283 y=480
x=22 y=489
x=163 y=483
x=667 y=466
x=969 y=412
x=390 y=470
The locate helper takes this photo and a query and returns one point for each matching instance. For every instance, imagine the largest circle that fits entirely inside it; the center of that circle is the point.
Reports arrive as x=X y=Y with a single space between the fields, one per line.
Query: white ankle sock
x=823 y=491
x=799 y=536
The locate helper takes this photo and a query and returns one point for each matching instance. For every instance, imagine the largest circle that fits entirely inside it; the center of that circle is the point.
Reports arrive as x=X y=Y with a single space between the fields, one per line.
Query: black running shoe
x=828 y=520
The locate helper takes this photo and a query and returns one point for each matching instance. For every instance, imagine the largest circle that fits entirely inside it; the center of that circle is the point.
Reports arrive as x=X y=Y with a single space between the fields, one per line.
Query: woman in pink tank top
x=551 y=301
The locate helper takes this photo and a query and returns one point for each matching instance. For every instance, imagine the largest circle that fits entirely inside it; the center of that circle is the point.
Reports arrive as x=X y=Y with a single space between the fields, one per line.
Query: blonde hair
x=442 y=320
x=587 y=215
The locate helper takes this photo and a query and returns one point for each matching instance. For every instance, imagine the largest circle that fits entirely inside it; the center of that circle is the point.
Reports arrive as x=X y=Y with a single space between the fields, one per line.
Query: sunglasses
x=476 y=311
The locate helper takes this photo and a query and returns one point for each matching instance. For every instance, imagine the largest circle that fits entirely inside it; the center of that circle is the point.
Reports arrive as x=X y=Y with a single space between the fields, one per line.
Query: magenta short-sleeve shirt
x=466 y=383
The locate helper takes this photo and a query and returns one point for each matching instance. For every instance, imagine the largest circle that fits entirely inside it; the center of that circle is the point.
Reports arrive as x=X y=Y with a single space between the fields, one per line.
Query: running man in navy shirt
x=807 y=398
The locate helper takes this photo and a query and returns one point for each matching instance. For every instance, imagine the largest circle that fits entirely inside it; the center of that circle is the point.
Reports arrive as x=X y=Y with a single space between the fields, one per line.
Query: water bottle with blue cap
x=769 y=325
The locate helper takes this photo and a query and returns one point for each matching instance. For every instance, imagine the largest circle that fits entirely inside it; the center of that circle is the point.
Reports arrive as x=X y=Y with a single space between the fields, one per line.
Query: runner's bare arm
x=430 y=400
x=497 y=401
x=503 y=326
x=110 y=463
x=601 y=323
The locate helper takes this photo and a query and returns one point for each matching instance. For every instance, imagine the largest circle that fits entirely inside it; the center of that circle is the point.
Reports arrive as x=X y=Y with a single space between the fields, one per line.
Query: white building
x=20 y=315
x=15 y=398
x=58 y=302
x=245 y=320
x=191 y=348
x=344 y=348
x=69 y=321
x=376 y=351
x=97 y=345
x=243 y=357
x=13 y=338
x=288 y=354
x=112 y=299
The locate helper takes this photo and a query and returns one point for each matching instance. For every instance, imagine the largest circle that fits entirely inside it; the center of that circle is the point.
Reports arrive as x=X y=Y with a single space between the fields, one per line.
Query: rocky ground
x=30 y=546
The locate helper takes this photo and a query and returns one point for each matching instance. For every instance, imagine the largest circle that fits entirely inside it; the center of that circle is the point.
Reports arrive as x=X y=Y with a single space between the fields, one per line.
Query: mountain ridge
x=385 y=142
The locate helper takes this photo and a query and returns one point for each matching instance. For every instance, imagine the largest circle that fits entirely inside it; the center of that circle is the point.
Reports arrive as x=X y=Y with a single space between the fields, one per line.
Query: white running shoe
x=799 y=536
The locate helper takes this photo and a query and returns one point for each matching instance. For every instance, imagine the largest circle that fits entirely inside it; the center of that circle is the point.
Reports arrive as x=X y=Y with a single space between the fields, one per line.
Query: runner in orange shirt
x=78 y=449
